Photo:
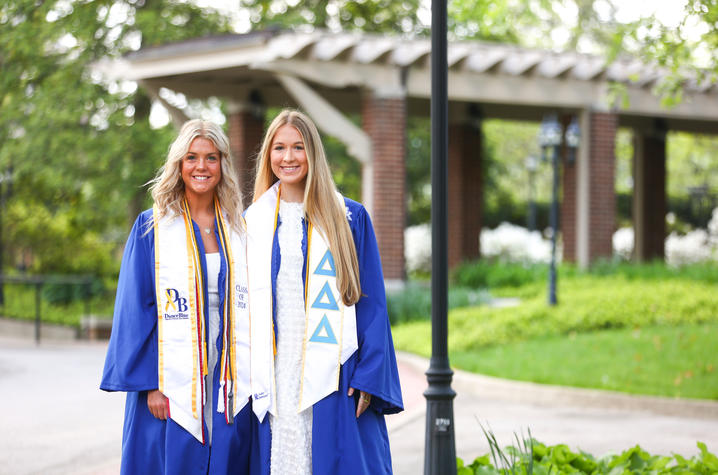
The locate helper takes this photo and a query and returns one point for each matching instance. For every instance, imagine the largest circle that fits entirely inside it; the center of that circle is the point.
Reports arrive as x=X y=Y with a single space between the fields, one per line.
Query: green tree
x=79 y=147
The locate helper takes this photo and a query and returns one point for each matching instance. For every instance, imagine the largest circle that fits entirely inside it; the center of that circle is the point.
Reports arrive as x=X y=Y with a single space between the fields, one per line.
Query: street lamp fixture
x=531 y=165
x=550 y=139
x=573 y=138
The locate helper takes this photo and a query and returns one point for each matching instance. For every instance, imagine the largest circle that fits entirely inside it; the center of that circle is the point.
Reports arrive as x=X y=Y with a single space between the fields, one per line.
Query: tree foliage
x=77 y=148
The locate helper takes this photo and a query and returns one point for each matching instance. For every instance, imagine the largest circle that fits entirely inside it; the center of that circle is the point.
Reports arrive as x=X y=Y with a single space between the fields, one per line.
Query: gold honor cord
x=310 y=228
x=160 y=345
x=274 y=233
x=229 y=372
x=196 y=307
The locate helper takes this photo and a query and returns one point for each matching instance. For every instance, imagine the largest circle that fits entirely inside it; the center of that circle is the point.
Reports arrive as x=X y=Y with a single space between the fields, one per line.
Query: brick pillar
x=567 y=214
x=384 y=120
x=246 y=130
x=465 y=192
x=649 y=194
x=601 y=177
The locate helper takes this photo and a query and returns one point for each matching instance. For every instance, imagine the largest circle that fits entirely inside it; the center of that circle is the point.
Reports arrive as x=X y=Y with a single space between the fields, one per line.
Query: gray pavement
x=56 y=421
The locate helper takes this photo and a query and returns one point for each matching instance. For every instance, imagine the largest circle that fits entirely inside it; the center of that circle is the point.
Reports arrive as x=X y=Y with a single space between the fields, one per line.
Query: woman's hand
x=364 y=401
x=158 y=404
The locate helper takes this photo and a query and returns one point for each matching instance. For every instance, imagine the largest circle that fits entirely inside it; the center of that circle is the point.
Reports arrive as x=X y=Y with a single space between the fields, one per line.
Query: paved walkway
x=56 y=421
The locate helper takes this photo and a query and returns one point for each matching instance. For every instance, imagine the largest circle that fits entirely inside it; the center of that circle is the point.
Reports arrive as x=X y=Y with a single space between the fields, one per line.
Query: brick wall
x=602 y=194
x=384 y=120
x=246 y=131
x=464 y=193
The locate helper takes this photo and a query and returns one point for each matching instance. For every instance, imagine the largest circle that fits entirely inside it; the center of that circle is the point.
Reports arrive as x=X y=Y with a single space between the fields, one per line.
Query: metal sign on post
x=440 y=448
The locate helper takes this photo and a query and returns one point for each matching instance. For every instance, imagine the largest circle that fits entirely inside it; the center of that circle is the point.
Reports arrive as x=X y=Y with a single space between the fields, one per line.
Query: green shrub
x=414 y=301
x=586 y=303
x=486 y=273
x=534 y=457
x=493 y=274
x=654 y=270
x=64 y=293
x=20 y=303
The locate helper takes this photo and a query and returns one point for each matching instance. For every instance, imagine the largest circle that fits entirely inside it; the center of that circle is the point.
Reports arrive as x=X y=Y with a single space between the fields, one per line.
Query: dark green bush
x=492 y=274
x=61 y=293
x=414 y=301
x=488 y=273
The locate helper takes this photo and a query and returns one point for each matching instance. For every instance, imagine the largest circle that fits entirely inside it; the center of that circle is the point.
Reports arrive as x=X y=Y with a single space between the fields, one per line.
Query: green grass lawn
x=620 y=332
x=664 y=361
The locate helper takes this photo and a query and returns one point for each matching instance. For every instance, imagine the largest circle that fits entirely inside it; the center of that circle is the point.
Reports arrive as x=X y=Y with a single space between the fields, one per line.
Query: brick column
x=384 y=120
x=649 y=193
x=465 y=192
x=601 y=177
x=245 y=130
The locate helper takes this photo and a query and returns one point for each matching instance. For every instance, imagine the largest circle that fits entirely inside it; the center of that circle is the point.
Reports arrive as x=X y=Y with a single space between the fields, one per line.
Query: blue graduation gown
x=150 y=445
x=341 y=443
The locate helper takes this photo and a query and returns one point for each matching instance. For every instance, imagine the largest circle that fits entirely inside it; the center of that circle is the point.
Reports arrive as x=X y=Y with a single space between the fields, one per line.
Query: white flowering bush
x=699 y=245
x=507 y=242
x=689 y=248
x=417 y=248
x=513 y=243
x=623 y=243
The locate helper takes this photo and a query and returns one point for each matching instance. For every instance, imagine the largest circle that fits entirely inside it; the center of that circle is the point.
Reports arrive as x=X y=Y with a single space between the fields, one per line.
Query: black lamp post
x=550 y=141
x=531 y=165
x=440 y=449
x=550 y=138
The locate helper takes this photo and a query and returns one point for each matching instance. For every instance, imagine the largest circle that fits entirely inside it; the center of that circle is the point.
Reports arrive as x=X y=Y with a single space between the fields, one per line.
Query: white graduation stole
x=182 y=352
x=330 y=326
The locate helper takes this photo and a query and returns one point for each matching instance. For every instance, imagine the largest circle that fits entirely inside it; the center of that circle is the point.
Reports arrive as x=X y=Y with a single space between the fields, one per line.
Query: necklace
x=207 y=230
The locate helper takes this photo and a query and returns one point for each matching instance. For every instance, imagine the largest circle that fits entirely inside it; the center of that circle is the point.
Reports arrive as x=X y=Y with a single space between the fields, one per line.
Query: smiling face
x=289 y=162
x=201 y=168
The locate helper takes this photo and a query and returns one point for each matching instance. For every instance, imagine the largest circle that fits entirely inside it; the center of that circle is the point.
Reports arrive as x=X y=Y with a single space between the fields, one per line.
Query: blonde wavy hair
x=321 y=206
x=167 y=188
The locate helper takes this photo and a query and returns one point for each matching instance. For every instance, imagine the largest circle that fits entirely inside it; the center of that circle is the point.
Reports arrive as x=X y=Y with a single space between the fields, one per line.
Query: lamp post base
x=440 y=453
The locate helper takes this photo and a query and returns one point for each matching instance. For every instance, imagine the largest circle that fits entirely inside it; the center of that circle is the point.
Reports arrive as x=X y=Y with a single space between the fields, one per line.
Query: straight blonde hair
x=167 y=188
x=321 y=206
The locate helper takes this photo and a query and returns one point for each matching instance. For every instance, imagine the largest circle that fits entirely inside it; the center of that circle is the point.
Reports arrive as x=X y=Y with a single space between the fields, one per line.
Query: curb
x=549 y=395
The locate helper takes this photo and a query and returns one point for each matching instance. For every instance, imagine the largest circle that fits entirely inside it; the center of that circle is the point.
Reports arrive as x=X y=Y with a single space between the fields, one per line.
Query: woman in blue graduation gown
x=342 y=426
x=197 y=187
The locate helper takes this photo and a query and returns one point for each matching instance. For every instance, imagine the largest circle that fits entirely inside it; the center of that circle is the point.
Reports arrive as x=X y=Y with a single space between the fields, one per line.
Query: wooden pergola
x=385 y=79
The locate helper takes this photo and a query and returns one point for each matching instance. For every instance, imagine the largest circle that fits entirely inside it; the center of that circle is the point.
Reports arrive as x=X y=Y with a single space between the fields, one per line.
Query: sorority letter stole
x=182 y=336
x=330 y=336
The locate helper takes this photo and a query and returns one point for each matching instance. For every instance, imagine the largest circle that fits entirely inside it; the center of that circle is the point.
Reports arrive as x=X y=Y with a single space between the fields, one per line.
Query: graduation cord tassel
x=228 y=337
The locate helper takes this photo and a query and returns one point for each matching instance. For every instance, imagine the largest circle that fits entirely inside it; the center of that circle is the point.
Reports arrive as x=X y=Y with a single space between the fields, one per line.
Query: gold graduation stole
x=182 y=349
x=330 y=326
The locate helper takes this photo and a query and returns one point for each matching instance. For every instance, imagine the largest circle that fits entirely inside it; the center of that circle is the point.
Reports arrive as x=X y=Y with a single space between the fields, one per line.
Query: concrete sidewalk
x=598 y=422
x=56 y=420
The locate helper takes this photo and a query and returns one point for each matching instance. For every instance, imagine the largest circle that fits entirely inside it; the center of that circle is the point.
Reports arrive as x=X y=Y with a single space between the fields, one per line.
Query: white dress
x=213 y=266
x=291 y=430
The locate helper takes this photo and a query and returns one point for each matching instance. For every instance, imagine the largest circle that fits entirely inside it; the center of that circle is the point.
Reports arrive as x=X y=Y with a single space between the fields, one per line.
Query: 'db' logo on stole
x=176 y=304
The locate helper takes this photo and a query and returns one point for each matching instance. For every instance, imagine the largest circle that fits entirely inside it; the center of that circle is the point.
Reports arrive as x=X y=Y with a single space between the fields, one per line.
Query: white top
x=291 y=431
x=213 y=266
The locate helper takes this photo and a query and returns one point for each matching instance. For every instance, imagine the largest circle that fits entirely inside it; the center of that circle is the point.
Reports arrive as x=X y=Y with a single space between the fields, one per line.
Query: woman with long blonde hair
x=329 y=371
x=180 y=336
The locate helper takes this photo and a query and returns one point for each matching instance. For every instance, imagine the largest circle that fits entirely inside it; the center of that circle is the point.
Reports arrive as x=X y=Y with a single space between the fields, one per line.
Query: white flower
x=417 y=248
x=623 y=243
x=516 y=244
x=689 y=249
